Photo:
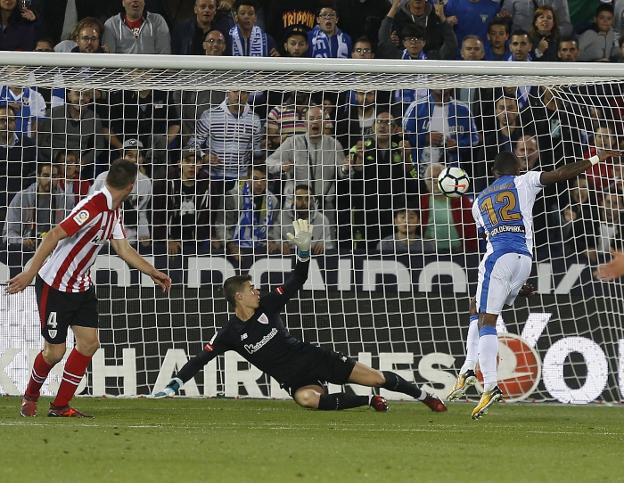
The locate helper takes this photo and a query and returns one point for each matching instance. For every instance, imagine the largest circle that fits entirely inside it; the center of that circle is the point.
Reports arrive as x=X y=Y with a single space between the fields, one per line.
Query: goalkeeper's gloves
x=171 y=390
x=302 y=238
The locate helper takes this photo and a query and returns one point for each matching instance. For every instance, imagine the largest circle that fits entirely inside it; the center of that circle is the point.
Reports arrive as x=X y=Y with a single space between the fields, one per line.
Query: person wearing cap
x=181 y=216
x=137 y=204
x=296 y=41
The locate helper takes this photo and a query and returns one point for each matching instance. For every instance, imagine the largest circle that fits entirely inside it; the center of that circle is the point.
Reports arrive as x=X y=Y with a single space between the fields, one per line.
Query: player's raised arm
x=572 y=170
x=302 y=239
x=24 y=279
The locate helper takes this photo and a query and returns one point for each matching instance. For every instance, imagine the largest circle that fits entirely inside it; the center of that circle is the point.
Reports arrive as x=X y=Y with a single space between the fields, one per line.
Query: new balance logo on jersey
x=251 y=348
x=263 y=319
x=243 y=336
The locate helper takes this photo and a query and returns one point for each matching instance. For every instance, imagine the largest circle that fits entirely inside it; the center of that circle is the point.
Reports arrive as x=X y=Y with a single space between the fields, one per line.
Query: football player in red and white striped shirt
x=65 y=293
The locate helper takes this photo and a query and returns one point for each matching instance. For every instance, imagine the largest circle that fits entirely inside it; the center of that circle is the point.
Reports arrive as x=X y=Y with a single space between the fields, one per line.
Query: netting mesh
x=229 y=158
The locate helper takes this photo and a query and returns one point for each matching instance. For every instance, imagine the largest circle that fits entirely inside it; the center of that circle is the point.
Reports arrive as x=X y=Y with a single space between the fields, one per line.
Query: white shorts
x=500 y=279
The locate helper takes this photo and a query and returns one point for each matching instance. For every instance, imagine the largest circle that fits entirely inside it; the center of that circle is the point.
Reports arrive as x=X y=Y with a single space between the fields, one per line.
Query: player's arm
x=613 y=269
x=24 y=279
x=302 y=239
x=572 y=170
x=128 y=254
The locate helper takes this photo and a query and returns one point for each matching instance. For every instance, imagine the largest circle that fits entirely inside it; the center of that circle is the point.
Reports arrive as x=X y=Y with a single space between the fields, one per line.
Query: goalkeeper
x=257 y=333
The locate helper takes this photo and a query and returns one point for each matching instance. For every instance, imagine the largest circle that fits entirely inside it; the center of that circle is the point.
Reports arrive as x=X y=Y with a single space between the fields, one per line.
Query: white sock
x=488 y=351
x=472 y=345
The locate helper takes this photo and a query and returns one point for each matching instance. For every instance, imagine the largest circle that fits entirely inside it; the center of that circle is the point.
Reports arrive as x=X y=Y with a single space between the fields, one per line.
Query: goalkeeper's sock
x=39 y=373
x=341 y=400
x=394 y=382
x=488 y=351
x=75 y=367
x=472 y=345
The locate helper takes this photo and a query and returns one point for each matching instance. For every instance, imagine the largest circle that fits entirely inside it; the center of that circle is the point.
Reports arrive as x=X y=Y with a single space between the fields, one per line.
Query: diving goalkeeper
x=257 y=333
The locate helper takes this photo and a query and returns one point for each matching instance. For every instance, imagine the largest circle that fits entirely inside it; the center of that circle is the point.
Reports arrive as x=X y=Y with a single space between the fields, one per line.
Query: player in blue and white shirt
x=504 y=213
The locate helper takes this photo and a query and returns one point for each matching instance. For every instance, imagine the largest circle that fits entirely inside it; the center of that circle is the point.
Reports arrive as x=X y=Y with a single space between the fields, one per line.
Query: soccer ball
x=453 y=182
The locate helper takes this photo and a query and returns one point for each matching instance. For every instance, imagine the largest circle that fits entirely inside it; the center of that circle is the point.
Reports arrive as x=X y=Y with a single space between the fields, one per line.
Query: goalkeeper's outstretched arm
x=572 y=170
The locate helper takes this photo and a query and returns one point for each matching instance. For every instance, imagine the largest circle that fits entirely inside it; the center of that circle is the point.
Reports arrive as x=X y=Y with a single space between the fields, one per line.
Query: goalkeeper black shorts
x=322 y=366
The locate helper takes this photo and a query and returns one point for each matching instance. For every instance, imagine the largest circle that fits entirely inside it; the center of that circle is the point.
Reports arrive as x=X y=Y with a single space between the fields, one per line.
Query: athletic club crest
x=263 y=319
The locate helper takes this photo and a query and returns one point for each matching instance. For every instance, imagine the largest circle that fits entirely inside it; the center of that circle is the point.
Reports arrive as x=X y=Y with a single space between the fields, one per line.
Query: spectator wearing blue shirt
x=440 y=129
x=496 y=47
x=326 y=40
x=472 y=17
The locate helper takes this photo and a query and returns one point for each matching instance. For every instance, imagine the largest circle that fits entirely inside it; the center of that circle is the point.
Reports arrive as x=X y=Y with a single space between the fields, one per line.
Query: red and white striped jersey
x=91 y=223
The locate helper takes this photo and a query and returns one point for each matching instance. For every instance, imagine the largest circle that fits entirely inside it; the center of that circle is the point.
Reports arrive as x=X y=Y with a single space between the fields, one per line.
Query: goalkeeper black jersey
x=263 y=340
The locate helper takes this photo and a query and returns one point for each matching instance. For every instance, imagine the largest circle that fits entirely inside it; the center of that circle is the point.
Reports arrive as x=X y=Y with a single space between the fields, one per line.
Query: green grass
x=143 y=440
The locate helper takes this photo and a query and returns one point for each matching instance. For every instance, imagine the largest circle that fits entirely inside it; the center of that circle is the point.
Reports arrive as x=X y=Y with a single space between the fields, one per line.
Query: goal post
x=354 y=144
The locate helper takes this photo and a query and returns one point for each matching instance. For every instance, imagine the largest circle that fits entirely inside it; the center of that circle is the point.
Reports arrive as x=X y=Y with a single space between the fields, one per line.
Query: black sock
x=394 y=382
x=341 y=400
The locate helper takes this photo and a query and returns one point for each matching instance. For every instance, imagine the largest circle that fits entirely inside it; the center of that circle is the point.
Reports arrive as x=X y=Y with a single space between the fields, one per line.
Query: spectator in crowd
x=500 y=136
x=289 y=116
x=440 y=129
x=181 y=216
x=326 y=40
x=246 y=222
x=86 y=37
x=136 y=206
x=520 y=46
x=246 y=38
x=70 y=180
x=137 y=31
x=496 y=47
x=363 y=49
x=406 y=239
x=356 y=118
x=150 y=116
x=62 y=16
x=600 y=42
x=472 y=48
x=313 y=158
x=75 y=126
x=470 y=17
x=35 y=210
x=29 y=107
x=44 y=45
x=608 y=232
x=282 y=14
x=383 y=177
x=296 y=41
x=361 y=17
x=574 y=224
x=228 y=135
x=189 y=36
x=521 y=13
x=18 y=26
x=447 y=221
x=440 y=40
x=600 y=175
x=195 y=103
x=305 y=208
x=527 y=150
x=568 y=50
x=18 y=156
x=544 y=34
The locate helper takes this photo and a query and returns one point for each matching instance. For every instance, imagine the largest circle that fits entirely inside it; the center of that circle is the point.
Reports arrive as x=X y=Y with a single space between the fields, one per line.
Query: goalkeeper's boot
x=66 y=412
x=29 y=407
x=462 y=384
x=487 y=399
x=379 y=404
x=170 y=390
x=434 y=403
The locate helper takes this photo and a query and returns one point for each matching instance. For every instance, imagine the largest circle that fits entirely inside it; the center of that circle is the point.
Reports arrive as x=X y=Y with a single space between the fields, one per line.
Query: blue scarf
x=253 y=224
x=257 y=46
x=321 y=45
x=406 y=56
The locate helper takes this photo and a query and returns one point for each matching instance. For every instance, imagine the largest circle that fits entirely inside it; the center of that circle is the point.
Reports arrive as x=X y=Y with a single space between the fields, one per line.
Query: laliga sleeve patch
x=81 y=217
x=280 y=290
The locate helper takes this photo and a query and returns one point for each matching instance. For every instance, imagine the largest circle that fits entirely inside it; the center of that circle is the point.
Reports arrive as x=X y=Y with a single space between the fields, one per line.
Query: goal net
x=230 y=151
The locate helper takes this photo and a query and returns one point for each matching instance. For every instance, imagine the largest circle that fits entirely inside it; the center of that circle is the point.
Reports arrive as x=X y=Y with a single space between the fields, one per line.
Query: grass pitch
x=183 y=440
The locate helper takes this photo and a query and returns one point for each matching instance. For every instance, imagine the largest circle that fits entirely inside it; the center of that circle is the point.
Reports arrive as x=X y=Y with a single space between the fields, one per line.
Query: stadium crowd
x=227 y=172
